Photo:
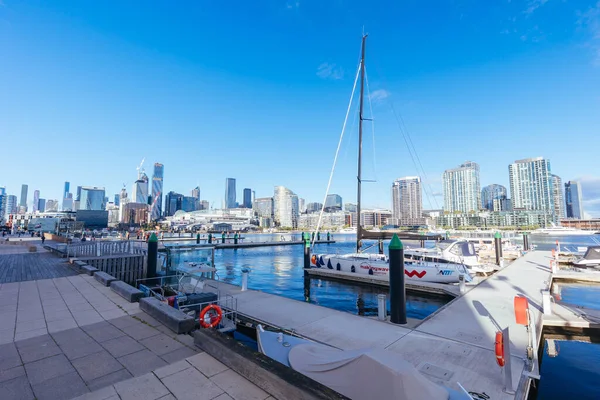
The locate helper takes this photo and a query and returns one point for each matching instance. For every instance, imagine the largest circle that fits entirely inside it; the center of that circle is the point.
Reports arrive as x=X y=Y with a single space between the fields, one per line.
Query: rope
x=372 y=124
x=337 y=151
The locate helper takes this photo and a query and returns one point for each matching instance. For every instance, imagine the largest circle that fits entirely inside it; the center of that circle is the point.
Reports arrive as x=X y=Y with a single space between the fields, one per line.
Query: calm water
x=278 y=270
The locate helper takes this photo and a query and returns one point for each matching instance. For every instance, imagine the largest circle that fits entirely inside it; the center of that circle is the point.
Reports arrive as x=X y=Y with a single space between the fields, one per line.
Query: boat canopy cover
x=592 y=253
x=364 y=374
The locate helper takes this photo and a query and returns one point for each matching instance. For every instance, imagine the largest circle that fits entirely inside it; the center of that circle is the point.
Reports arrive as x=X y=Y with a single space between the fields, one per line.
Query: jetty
x=245 y=245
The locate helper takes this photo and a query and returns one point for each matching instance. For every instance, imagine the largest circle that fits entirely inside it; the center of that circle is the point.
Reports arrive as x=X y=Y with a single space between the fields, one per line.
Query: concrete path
x=62 y=338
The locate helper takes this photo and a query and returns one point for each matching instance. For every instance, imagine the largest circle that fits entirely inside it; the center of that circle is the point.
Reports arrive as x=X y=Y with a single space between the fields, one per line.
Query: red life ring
x=313 y=259
x=214 y=319
x=500 y=349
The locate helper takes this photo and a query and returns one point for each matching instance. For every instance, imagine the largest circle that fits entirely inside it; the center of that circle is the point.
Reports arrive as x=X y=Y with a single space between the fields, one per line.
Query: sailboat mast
x=360 y=130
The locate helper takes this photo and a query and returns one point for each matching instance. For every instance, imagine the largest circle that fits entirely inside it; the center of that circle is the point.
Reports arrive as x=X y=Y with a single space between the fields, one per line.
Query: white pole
x=97 y=249
x=381 y=307
x=507 y=369
x=244 y=280
x=461 y=283
x=546 y=302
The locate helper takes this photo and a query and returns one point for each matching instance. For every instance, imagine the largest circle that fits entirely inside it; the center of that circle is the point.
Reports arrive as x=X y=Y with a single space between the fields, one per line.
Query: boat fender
x=329 y=264
x=370 y=271
x=214 y=319
x=499 y=349
x=313 y=259
x=338 y=267
x=352 y=269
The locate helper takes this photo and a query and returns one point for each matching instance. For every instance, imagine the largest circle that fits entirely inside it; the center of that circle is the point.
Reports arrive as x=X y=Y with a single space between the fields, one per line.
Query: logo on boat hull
x=416 y=273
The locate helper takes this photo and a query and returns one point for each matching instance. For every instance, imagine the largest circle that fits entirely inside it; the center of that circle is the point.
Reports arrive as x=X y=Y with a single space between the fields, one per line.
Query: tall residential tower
x=407 y=201
x=462 y=190
x=573 y=199
x=157 y=191
x=531 y=185
x=230 y=193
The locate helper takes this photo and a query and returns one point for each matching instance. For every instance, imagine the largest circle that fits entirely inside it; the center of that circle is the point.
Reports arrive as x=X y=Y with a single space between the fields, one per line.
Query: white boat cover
x=371 y=374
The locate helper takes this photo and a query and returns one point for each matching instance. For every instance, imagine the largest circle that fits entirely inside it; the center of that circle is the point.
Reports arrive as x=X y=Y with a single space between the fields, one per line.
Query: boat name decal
x=415 y=272
x=367 y=266
x=445 y=272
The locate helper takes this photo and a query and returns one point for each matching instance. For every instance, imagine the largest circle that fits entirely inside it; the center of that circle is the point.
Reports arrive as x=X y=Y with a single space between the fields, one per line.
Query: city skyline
x=492 y=84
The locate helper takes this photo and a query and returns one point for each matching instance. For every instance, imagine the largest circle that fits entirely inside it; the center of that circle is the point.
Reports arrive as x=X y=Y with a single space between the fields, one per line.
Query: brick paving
x=67 y=337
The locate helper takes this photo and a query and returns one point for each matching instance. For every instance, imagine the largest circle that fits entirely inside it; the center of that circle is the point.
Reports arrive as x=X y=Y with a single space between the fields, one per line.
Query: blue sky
x=258 y=91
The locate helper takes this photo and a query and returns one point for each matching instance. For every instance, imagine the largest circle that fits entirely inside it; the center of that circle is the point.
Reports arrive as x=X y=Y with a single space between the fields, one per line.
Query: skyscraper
x=140 y=189
x=333 y=202
x=23 y=202
x=36 y=200
x=66 y=190
x=462 y=190
x=51 y=205
x=157 y=191
x=407 y=202
x=11 y=204
x=117 y=198
x=247 y=198
x=173 y=203
x=490 y=193
x=3 y=200
x=531 y=185
x=229 y=193
x=196 y=192
x=42 y=205
x=285 y=208
x=92 y=198
x=573 y=199
x=557 y=197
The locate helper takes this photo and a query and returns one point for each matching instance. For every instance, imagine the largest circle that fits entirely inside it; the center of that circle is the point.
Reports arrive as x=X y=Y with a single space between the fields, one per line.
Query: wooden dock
x=33 y=266
x=453 y=345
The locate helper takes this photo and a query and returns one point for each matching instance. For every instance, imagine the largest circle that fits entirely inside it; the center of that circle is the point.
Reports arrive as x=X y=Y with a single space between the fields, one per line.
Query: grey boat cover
x=372 y=374
x=592 y=253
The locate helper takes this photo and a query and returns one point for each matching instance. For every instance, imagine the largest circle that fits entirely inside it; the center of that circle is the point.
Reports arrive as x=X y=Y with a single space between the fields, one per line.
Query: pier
x=245 y=245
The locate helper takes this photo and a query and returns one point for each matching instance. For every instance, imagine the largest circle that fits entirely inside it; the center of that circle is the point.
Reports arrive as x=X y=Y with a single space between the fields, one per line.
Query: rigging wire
x=372 y=124
x=337 y=151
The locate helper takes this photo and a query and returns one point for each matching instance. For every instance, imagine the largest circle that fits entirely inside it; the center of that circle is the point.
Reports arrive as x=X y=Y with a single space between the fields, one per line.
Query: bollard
x=198 y=238
x=397 y=285
x=245 y=279
x=313 y=236
x=381 y=247
x=318 y=236
x=152 y=256
x=525 y=242
x=328 y=236
x=461 y=283
x=210 y=238
x=223 y=237
x=306 y=253
x=546 y=302
x=498 y=246
x=381 y=309
x=235 y=239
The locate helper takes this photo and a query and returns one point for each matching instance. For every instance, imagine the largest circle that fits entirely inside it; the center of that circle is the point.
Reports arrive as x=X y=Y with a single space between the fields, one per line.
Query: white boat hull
x=413 y=270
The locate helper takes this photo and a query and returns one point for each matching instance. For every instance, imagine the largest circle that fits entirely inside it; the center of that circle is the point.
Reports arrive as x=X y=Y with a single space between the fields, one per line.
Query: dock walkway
x=17 y=264
x=453 y=345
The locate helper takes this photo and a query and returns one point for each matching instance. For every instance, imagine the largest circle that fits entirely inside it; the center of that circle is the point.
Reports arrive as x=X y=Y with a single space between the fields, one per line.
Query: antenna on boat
x=360 y=129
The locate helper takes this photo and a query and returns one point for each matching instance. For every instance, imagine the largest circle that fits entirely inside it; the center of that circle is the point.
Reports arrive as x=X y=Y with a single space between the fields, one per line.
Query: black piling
x=397 y=284
x=306 y=253
x=525 y=241
x=209 y=238
x=152 y=256
x=197 y=238
x=498 y=246
x=235 y=238
x=381 y=247
x=223 y=237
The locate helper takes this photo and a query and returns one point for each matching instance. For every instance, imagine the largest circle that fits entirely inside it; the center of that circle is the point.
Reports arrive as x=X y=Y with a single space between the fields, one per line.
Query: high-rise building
x=557 y=197
x=490 y=193
x=573 y=199
x=67 y=204
x=173 y=203
x=407 y=202
x=333 y=202
x=11 y=204
x=189 y=203
x=117 y=202
x=23 y=202
x=157 y=191
x=78 y=194
x=301 y=205
x=531 y=185
x=196 y=192
x=204 y=205
x=2 y=204
x=42 y=205
x=285 y=208
x=462 y=190
x=51 y=205
x=140 y=189
x=263 y=207
x=36 y=200
x=350 y=207
x=247 y=198
x=66 y=190
x=92 y=198
x=230 y=193
x=313 y=207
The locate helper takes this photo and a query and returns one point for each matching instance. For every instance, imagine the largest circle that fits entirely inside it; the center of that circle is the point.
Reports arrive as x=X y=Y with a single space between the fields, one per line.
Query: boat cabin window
x=465 y=249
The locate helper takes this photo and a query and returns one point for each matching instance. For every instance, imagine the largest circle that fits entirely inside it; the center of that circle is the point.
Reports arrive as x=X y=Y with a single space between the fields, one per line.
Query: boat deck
x=455 y=344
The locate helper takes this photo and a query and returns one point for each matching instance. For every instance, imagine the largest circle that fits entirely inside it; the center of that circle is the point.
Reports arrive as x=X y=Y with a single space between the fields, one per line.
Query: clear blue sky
x=257 y=90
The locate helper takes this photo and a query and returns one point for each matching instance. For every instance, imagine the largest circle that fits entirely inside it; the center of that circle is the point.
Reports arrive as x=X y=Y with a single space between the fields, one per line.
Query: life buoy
x=214 y=319
x=500 y=349
x=313 y=259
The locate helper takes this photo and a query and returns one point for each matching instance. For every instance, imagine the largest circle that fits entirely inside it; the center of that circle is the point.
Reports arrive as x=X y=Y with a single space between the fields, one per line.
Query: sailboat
x=378 y=264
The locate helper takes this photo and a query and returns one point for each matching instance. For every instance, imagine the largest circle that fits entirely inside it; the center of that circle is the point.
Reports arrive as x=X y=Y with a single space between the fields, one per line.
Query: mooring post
x=461 y=283
x=328 y=236
x=223 y=237
x=307 y=252
x=152 y=256
x=381 y=309
x=235 y=238
x=498 y=245
x=318 y=236
x=210 y=238
x=198 y=238
x=397 y=285
x=245 y=272
x=525 y=242
x=381 y=247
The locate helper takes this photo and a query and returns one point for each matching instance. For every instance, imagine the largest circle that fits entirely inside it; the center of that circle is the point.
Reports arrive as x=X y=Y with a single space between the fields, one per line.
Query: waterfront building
x=189 y=203
x=11 y=205
x=313 y=207
x=488 y=219
x=573 y=199
x=113 y=214
x=92 y=198
x=42 y=205
x=236 y=219
x=263 y=207
x=3 y=199
x=247 y=198
x=350 y=207
x=36 y=199
x=157 y=192
x=591 y=224
x=407 y=202
x=140 y=189
x=375 y=218
x=68 y=203
x=302 y=205
x=490 y=193
x=173 y=203
x=285 y=208
x=558 y=197
x=117 y=202
x=23 y=202
x=51 y=205
x=230 y=201
x=196 y=192
x=462 y=190
x=333 y=202
x=134 y=214
x=204 y=205
x=531 y=186
x=92 y=219
x=330 y=220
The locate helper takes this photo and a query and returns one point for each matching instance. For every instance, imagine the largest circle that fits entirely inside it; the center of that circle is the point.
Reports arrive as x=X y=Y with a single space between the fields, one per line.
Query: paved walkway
x=66 y=337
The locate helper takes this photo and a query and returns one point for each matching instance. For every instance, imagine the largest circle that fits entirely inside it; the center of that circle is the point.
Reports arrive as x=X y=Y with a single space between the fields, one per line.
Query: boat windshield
x=464 y=249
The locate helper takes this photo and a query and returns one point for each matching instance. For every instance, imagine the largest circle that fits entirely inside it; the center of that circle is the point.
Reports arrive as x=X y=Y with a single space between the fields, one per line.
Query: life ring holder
x=499 y=347
x=214 y=321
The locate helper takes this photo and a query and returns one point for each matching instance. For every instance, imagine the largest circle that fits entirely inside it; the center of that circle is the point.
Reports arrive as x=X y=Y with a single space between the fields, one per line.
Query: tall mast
x=360 y=128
